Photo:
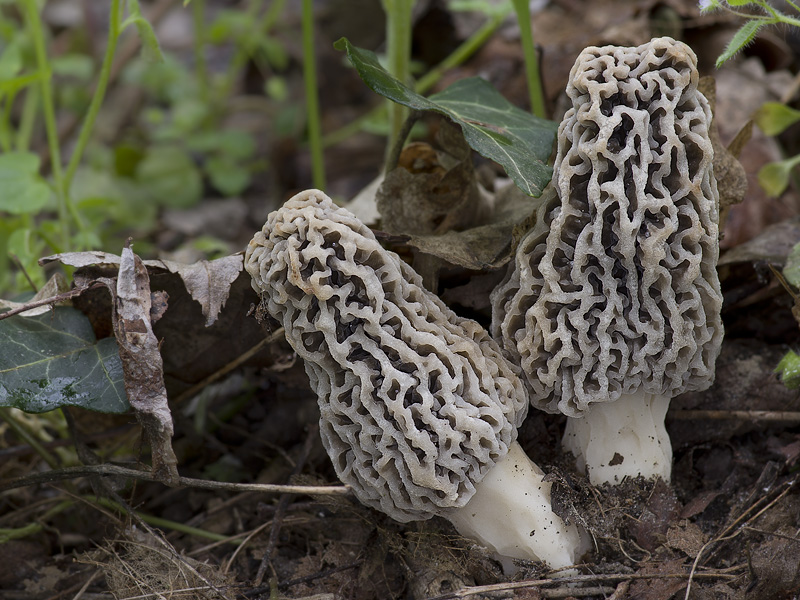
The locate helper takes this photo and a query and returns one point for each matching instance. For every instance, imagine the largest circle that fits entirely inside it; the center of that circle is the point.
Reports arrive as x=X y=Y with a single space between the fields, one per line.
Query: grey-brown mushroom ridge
x=416 y=403
x=615 y=290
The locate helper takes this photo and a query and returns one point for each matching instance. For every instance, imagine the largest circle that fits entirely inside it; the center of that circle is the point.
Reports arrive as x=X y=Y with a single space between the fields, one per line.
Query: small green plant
x=765 y=15
x=773 y=117
x=111 y=187
x=521 y=143
x=27 y=79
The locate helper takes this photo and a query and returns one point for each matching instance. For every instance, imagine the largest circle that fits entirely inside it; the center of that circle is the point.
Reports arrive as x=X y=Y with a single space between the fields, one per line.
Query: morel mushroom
x=612 y=306
x=418 y=407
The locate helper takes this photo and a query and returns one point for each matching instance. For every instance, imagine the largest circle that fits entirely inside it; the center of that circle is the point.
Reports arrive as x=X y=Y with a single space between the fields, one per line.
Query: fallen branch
x=115 y=470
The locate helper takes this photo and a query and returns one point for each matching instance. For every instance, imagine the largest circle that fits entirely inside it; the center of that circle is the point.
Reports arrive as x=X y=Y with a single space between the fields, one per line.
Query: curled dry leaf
x=208 y=282
x=729 y=172
x=434 y=198
x=141 y=363
x=54 y=286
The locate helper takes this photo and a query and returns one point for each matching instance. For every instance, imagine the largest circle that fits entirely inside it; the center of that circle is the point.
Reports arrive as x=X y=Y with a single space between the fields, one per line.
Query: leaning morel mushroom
x=418 y=407
x=612 y=306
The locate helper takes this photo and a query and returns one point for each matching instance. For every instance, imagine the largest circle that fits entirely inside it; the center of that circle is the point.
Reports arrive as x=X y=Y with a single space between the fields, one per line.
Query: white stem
x=510 y=514
x=623 y=438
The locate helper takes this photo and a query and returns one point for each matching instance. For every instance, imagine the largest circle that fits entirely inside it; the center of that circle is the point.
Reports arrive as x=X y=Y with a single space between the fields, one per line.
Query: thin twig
x=234 y=364
x=86 y=585
x=283 y=502
x=570 y=592
x=319 y=575
x=726 y=535
x=51 y=300
x=743 y=415
x=538 y=583
x=109 y=469
x=22 y=268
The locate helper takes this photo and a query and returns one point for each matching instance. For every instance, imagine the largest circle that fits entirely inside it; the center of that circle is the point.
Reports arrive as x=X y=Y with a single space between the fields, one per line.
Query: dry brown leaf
x=487 y=246
x=772 y=245
x=141 y=363
x=728 y=171
x=686 y=537
x=208 y=282
x=54 y=286
x=659 y=589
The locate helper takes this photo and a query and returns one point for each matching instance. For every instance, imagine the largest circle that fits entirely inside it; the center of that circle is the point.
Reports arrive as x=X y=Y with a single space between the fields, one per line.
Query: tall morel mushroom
x=612 y=306
x=418 y=407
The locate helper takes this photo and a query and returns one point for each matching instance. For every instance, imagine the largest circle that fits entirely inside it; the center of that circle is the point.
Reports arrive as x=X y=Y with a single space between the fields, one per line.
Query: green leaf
x=774 y=177
x=170 y=177
x=226 y=176
x=13 y=85
x=79 y=66
x=55 y=360
x=789 y=370
x=492 y=126
x=151 y=50
x=22 y=190
x=746 y=34
x=27 y=247
x=774 y=117
x=739 y=2
x=10 y=60
x=231 y=143
x=791 y=270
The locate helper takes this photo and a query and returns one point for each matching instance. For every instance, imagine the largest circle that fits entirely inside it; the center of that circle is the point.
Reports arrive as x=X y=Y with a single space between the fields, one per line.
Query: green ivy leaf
x=22 y=190
x=774 y=117
x=789 y=370
x=170 y=177
x=492 y=126
x=54 y=360
x=774 y=177
x=746 y=34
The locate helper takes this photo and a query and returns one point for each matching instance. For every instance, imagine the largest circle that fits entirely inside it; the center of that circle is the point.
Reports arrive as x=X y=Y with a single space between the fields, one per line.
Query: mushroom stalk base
x=623 y=438
x=510 y=514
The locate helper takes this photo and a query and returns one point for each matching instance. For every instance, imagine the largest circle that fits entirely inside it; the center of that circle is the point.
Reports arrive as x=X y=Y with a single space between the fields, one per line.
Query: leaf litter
x=733 y=508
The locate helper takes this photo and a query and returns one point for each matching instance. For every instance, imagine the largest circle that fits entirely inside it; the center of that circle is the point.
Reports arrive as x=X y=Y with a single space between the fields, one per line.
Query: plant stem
x=97 y=99
x=398 y=50
x=523 y=11
x=200 y=65
x=27 y=437
x=5 y=119
x=244 y=47
x=312 y=100
x=28 y=119
x=466 y=49
x=48 y=108
x=163 y=523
